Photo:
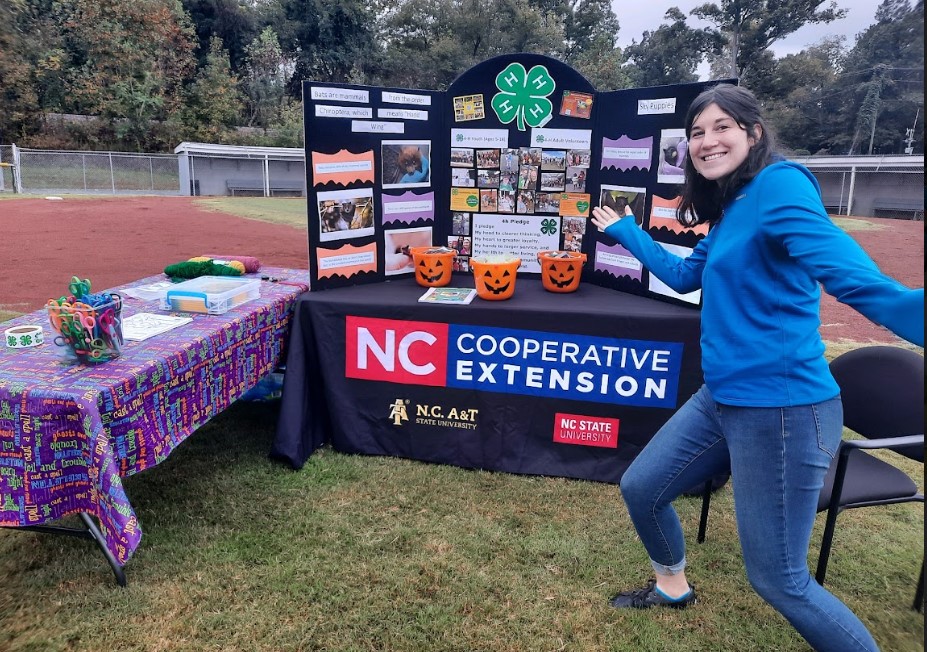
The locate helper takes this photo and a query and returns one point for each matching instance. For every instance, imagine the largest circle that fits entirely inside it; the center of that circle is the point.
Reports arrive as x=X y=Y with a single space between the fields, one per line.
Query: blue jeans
x=778 y=458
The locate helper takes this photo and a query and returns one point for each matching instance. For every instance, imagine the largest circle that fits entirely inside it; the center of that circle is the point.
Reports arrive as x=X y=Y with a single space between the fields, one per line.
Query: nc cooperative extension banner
x=514 y=361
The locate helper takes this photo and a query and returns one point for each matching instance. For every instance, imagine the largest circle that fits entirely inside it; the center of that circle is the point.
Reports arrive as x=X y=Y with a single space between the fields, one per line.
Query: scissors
x=109 y=324
x=79 y=288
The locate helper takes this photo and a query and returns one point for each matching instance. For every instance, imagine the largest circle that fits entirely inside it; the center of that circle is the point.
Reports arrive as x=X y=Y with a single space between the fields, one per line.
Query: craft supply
x=89 y=327
x=251 y=263
x=197 y=268
x=23 y=337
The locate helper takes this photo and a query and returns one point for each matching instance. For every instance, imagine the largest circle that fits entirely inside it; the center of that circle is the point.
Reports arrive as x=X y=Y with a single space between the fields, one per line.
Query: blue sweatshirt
x=759 y=270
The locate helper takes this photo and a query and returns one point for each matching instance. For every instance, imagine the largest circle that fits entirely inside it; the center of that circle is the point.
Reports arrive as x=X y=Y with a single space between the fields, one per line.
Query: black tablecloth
x=372 y=370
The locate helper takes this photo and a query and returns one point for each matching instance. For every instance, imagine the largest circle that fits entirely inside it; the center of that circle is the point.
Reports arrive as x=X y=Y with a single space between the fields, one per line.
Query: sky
x=636 y=17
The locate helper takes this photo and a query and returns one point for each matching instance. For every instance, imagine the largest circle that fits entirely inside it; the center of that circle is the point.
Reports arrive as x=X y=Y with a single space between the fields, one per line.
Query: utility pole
x=909 y=141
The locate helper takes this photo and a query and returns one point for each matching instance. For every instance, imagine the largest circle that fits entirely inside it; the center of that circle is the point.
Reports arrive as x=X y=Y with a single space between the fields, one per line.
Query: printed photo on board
x=620 y=197
x=487 y=158
x=553 y=159
x=509 y=160
x=460 y=223
x=576 y=179
x=406 y=164
x=461 y=157
x=345 y=214
x=673 y=150
x=463 y=178
x=397 y=248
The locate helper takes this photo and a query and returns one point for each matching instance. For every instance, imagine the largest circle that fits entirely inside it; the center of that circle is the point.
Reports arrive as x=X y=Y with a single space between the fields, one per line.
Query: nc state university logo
x=394 y=351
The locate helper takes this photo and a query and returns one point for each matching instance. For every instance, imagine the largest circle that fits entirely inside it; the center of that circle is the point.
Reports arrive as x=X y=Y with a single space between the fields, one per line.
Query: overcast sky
x=636 y=17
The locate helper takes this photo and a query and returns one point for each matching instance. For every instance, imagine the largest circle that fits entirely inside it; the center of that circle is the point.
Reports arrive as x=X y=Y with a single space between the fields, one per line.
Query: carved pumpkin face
x=560 y=270
x=494 y=281
x=432 y=268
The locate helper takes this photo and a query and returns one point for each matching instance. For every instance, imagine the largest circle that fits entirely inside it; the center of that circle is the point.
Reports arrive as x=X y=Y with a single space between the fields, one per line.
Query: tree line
x=155 y=72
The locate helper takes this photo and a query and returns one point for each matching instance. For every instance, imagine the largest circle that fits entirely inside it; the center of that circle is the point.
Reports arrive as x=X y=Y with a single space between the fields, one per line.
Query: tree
x=266 y=74
x=671 y=53
x=882 y=83
x=235 y=22
x=214 y=103
x=125 y=59
x=748 y=27
x=799 y=93
x=328 y=40
x=18 y=99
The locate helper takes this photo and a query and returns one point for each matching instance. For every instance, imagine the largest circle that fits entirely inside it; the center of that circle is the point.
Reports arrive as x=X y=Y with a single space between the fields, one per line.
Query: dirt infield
x=116 y=240
x=113 y=241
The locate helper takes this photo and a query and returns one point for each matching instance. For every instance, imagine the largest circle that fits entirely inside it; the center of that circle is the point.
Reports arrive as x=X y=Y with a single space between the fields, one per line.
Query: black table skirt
x=520 y=423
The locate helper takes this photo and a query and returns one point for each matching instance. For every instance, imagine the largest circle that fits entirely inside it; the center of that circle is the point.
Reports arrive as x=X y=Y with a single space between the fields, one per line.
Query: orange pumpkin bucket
x=433 y=265
x=494 y=277
x=561 y=270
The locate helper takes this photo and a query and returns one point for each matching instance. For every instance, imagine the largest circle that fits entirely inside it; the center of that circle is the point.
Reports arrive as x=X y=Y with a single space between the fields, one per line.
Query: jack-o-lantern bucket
x=561 y=270
x=494 y=276
x=433 y=265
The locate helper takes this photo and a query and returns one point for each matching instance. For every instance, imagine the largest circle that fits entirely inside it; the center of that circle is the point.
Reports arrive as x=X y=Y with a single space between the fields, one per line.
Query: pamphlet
x=150 y=292
x=143 y=325
x=448 y=295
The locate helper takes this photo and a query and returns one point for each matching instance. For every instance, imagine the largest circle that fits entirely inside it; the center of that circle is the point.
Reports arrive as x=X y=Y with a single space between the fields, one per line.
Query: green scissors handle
x=79 y=288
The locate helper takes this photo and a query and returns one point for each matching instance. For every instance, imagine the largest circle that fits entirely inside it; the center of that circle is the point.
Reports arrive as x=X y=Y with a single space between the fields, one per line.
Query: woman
x=769 y=409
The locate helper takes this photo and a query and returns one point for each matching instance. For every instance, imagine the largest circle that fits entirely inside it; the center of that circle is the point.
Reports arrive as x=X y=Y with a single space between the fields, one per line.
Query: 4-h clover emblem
x=548 y=226
x=523 y=96
x=460 y=138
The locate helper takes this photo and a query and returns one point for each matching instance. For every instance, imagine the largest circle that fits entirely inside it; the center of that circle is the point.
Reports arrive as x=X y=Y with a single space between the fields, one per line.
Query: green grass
x=278 y=210
x=360 y=553
x=356 y=553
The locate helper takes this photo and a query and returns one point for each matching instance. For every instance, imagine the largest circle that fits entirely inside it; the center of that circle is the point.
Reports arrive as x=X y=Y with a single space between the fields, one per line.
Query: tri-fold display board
x=509 y=160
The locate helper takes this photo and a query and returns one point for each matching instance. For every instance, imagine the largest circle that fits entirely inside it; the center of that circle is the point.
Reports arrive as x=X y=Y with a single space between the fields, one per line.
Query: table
x=70 y=433
x=570 y=384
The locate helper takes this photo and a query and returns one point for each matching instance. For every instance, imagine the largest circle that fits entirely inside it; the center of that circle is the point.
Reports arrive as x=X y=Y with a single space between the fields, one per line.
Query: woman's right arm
x=681 y=274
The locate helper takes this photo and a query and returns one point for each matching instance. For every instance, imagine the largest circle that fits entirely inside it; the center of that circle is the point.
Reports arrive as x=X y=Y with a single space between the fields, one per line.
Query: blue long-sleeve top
x=759 y=270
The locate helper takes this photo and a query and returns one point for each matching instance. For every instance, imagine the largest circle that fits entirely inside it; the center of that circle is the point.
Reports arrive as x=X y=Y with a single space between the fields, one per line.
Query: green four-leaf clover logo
x=548 y=226
x=523 y=96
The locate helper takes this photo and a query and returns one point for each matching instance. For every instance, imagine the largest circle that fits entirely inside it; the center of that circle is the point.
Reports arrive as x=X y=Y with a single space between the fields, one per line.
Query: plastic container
x=213 y=295
x=494 y=277
x=433 y=265
x=87 y=334
x=561 y=270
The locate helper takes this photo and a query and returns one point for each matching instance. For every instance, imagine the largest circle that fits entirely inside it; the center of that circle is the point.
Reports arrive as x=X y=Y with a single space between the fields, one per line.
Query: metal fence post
x=852 y=187
x=17 y=171
x=112 y=175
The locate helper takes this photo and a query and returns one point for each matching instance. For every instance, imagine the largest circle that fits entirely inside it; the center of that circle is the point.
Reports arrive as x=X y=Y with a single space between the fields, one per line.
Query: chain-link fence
x=113 y=173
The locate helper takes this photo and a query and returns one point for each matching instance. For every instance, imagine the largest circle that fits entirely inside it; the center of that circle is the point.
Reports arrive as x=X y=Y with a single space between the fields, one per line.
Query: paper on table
x=150 y=292
x=143 y=325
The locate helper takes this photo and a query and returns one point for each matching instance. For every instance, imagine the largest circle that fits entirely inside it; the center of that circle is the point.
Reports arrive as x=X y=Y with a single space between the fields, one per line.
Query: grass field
x=357 y=554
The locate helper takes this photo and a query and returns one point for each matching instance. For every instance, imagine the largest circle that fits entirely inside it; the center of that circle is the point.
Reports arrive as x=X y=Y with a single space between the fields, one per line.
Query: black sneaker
x=648 y=597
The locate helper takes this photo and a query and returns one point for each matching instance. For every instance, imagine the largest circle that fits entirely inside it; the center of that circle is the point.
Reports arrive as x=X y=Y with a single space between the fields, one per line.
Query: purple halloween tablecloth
x=70 y=432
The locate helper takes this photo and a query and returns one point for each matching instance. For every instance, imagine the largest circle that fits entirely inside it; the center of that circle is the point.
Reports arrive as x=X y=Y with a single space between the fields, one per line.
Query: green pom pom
x=188 y=270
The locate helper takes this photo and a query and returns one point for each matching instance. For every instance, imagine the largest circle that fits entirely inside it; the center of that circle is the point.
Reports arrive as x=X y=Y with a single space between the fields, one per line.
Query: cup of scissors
x=87 y=333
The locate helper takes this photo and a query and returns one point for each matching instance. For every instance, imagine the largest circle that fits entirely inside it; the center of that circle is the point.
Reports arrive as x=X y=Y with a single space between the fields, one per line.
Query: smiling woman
x=768 y=392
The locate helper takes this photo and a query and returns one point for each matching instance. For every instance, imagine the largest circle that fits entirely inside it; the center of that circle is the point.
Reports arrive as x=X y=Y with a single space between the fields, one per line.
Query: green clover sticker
x=11 y=340
x=582 y=206
x=523 y=96
x=548 y=226
x=25 y=340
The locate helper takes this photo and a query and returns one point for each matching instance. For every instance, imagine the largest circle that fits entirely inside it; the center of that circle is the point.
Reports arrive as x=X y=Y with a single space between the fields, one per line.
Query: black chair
x=882 y=388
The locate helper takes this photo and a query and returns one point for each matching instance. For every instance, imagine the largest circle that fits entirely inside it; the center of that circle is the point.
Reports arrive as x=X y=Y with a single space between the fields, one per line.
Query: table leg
x=90 y=531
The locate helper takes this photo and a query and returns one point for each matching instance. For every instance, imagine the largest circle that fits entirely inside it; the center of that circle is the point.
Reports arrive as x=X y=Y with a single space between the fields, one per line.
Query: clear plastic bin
x=211 y=294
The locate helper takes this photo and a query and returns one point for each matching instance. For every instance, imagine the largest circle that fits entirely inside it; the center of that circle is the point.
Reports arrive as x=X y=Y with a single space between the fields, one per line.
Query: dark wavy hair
x=704 y=200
